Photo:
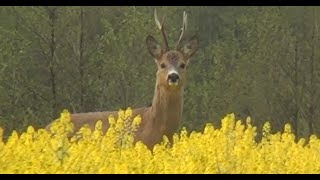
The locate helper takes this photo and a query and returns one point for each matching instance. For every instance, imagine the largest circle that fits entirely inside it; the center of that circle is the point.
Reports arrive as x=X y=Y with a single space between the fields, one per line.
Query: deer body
x=164 y=115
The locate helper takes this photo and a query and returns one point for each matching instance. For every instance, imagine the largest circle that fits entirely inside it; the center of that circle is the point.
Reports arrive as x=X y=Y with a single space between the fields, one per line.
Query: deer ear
x=191 y=47
x=153 y=47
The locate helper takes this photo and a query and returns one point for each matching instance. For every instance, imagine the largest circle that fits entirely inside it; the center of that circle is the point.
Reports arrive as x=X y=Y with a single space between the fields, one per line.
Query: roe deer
x=164 y=114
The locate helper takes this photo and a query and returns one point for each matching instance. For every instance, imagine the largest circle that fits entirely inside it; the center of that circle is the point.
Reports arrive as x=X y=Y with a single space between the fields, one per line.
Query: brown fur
x=164 y=115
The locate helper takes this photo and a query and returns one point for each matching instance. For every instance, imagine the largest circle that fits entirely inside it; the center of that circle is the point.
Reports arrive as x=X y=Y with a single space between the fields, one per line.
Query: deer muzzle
x=173 y=79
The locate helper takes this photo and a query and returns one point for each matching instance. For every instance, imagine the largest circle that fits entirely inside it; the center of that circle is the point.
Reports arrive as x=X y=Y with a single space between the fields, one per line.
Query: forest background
x=261 y=62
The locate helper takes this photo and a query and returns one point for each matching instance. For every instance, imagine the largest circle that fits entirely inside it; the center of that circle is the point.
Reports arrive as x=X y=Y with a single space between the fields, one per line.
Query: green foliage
x=255 y=61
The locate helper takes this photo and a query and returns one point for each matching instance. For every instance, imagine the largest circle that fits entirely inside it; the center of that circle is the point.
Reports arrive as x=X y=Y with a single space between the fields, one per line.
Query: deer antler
x=183 y=28
x=161 y=27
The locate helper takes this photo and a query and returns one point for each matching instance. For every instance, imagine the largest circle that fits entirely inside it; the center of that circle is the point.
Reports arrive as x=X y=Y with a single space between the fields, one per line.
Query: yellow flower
x=136 y=120
x=111 y=119
x=128 y=113
x=232 y=148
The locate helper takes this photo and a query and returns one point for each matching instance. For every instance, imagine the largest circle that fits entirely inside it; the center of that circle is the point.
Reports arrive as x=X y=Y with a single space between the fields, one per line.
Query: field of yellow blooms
x=230 y=149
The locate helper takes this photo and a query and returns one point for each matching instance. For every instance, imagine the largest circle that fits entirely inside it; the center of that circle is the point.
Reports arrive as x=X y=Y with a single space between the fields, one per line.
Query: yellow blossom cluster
x=229 y=149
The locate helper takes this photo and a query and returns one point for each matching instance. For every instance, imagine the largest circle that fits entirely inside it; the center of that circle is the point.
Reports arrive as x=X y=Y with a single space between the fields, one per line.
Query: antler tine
x=161 y=27
x=183 y=28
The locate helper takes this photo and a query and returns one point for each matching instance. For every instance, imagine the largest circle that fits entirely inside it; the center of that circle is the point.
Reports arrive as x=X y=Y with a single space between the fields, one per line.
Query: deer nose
x=173 y=77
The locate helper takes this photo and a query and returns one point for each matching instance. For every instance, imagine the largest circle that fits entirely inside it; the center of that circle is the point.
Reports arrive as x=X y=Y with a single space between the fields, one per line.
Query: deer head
x=171 y=63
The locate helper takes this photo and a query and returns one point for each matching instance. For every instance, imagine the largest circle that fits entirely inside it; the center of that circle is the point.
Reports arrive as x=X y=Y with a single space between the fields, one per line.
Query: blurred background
x=261 y=62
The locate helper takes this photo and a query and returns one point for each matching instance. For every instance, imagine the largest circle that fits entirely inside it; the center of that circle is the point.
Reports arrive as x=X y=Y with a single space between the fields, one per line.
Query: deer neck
x=166 y=109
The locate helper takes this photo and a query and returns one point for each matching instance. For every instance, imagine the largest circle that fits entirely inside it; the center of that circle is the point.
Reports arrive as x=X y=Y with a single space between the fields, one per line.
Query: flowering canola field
x=230 y=149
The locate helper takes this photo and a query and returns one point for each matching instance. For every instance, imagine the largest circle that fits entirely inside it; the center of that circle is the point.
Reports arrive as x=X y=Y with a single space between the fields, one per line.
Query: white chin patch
x=173 y=84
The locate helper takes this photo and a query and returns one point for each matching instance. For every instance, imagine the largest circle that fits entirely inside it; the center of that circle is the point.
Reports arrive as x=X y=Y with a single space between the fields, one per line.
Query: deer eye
x=162 y=65
x=182 y=66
